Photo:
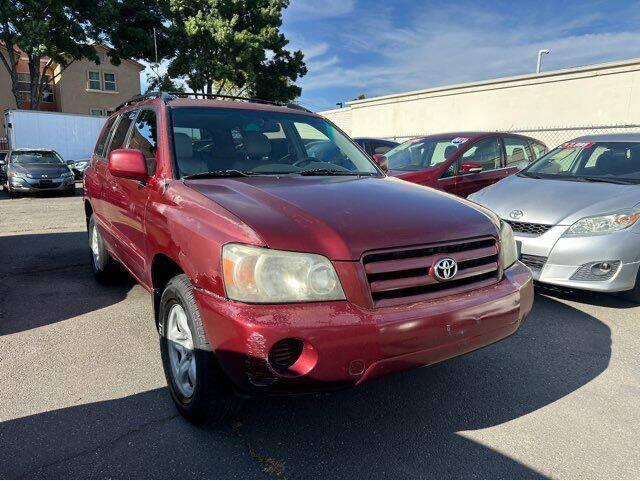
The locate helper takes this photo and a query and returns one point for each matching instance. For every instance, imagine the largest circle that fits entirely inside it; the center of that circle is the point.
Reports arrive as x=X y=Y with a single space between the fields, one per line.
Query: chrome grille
x=528 y=227
x=533 y=262
x=405 y=275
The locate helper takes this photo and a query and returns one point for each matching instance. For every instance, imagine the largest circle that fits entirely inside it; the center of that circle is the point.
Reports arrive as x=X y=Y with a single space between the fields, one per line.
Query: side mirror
x=128 y=164
x=470 y=168
x=381 y=161
x=70 y=163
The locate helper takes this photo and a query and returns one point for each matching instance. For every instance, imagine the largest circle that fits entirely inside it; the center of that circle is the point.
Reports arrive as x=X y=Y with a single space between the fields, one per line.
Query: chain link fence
x=553 y=136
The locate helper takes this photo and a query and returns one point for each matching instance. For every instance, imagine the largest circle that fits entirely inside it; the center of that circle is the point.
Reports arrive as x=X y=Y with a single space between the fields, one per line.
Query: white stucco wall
x=552 y=106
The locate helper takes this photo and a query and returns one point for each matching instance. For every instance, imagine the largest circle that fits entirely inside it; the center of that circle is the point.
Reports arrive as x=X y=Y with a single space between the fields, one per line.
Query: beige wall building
x=84 y=87
x=88 y=88
x=552 y=106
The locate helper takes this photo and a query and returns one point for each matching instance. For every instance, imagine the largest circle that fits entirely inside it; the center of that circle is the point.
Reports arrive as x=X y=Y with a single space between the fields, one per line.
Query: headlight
x=81 y=165
x=260 y=275
x=508 y=248
x=67 y=174
x=17 y=175
x=603 y=224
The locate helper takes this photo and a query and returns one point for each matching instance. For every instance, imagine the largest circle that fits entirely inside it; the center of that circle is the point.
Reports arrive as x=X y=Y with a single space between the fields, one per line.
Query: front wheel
x=200 y=390
x=104 y=267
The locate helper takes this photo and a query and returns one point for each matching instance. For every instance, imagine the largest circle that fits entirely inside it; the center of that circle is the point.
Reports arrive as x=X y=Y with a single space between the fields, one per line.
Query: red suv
x=461 y=163
x=271 y=270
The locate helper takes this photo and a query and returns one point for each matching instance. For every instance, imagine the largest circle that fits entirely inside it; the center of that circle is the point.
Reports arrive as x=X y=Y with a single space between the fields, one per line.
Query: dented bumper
x=345 y=344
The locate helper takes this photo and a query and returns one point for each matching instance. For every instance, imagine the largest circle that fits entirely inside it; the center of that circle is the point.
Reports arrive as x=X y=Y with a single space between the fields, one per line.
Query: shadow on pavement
x=585 y=297
x=45 y=278
x=403 y=426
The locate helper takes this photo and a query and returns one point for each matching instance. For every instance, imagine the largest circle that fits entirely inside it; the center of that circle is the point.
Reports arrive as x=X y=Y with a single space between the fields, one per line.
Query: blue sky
x=378 y=47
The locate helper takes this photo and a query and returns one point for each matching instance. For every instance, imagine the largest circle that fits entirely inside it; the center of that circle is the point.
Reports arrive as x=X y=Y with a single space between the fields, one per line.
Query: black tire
x=105 y=269
x=213 y=399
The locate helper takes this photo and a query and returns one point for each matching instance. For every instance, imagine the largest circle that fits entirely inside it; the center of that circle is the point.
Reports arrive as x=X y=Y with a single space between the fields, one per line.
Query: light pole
x=542 y=52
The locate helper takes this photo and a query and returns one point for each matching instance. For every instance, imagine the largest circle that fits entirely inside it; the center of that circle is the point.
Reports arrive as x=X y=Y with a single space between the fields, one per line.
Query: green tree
x=58 y=32
x=162 y=83
x=234 y=47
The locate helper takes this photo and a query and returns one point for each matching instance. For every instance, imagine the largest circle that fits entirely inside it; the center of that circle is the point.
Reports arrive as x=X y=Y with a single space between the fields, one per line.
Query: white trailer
x=73 y=136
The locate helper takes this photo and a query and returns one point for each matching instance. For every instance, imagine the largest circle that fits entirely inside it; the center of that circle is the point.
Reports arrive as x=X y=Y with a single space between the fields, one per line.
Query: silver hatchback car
x=574 y=213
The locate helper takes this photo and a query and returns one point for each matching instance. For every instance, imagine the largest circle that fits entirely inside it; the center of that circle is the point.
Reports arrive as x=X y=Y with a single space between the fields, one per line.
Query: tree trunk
x=34 y=83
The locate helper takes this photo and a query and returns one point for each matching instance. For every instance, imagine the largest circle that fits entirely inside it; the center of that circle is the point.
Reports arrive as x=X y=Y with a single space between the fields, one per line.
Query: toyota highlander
x=273 y=271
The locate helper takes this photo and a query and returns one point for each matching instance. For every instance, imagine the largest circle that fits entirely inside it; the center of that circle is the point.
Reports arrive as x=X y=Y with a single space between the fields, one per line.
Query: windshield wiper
x=610 y=180
x=332 y=172
x=218 y=173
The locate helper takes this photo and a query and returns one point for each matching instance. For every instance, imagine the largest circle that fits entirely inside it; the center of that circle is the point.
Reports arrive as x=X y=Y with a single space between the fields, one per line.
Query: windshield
x=210 y=140
x=35 y=157
x=590 y=161
x=419 y=154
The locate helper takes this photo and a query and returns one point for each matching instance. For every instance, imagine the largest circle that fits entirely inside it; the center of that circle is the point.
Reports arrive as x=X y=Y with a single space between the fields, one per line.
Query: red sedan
x=461 y=163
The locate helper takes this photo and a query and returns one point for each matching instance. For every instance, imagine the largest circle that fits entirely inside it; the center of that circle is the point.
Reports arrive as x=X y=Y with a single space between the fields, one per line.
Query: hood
x=38 y=171
x=556 y=202
x=342 y=217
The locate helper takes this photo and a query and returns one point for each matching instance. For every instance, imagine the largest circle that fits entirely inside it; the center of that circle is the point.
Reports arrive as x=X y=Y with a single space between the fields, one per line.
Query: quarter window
x=517 y=151
x=110 y=84
x=144 y=137
x=120 y=134
x=485 y=152
x=538 y=149
x=104 y=136
x=94 y=81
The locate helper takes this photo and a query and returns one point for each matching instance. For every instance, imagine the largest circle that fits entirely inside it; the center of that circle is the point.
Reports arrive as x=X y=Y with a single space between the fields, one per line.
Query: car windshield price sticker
x=577 y=145
x=459 y=140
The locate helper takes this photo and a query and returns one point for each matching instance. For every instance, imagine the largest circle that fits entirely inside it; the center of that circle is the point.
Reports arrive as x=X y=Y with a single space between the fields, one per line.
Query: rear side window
x=378 y=147
x=144 y=137
x=120 y=133
x=538 y=149
x=102 y=141
x=517 y=151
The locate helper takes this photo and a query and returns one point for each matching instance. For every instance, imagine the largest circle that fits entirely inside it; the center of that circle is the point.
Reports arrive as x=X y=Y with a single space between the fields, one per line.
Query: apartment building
x=84 y=87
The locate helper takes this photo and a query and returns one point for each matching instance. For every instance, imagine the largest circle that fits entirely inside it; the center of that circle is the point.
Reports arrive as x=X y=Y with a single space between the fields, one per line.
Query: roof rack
x=167 y=96
x=150 y=95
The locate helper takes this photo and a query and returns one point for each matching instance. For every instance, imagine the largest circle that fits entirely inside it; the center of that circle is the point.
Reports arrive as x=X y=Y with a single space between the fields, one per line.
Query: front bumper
x=560 y=258
x=30 y=186
x=345 y=344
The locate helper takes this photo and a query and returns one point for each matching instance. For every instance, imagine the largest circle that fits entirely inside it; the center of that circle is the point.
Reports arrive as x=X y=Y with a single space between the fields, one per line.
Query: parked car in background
x=461 y=163
x=38 y=170
x=78 y=167
x=375 y=146
x=574 y=213
x=274 y=271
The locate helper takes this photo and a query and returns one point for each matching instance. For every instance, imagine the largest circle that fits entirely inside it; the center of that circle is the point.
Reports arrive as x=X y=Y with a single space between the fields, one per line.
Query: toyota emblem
x=445 y=269
x=516 y=214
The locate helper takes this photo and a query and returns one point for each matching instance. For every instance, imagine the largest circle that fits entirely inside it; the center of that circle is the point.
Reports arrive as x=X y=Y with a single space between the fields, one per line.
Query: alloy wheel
x=181 y=353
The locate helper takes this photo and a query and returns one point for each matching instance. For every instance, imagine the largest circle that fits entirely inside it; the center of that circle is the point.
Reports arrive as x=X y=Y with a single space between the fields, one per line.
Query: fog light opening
x=292 y=357
x=601 y=269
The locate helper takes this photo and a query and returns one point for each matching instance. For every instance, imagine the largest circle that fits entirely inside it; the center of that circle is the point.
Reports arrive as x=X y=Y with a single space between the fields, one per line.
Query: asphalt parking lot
x=83 y=395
